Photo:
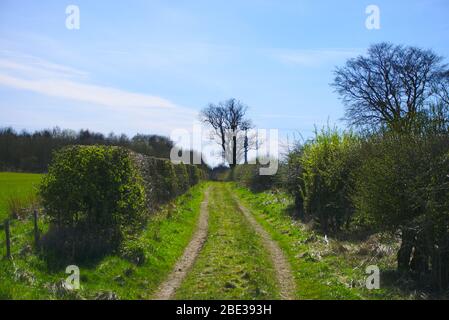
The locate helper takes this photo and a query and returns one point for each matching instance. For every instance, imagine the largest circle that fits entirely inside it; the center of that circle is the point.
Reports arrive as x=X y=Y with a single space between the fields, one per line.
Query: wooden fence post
x=36 y=228
x=8 y=239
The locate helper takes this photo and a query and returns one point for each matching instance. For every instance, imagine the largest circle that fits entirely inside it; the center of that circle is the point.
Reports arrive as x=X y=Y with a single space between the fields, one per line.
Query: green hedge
x=97 y=196
x=325 y=182
x=164 y=180
x=403 y=185
x=94 y=197
x=248 y=175
x=382 y=182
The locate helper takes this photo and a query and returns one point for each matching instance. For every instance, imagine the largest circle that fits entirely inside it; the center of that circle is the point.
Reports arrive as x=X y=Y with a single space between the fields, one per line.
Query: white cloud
x=39 y=76
x=31 y=66
x=105 y=96
x=314 y=58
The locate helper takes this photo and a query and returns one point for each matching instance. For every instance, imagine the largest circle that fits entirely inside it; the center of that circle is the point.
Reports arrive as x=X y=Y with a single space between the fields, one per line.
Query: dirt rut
x=283 y=271
x=168 y=288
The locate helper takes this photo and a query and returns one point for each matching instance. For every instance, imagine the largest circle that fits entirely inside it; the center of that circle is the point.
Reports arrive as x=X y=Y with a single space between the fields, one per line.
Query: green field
x=18 y=185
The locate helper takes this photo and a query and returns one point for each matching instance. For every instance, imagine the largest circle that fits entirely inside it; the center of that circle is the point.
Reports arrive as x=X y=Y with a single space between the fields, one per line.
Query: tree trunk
x=405 y=252
x=299 y=205
x=234 y=151
x=245 y=147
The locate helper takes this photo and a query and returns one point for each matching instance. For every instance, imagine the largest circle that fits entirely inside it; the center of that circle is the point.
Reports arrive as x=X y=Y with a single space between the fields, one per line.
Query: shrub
x=162 y=180
x=133 y=251
x=386 y=181
x=98 y=196
x=403 y=185
x=194 y=175
x=93 y=195
x=243 y=174
x=166 y=180
x=182 y=177
x=292 y=179
x=321 y=181
x=249 y=176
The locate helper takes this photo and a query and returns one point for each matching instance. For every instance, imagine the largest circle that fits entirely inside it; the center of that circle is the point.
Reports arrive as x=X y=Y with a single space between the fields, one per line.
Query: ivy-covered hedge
x=97 y=196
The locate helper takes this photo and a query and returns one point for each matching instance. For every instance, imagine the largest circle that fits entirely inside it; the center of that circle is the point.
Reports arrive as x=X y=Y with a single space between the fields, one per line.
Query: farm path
x=230 y=256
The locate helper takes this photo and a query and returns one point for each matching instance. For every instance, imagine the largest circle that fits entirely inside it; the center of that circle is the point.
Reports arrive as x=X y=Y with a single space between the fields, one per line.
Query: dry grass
x=21 y=208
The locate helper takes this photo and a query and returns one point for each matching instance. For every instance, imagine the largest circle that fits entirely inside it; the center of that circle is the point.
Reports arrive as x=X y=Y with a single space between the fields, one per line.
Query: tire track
x=168 y=288
x=281 y=265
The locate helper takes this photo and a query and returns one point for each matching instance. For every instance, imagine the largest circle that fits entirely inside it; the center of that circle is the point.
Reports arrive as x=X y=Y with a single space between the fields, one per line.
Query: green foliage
x=403 y=185
x=182 y=177
x=323 y=179
x=387 y=181
x=401 y=178
x=194 y=175
x=244 y=173
x=163 y=180
x=133 y=250
x=167 y=180
x=94 y=193
x=248 y=175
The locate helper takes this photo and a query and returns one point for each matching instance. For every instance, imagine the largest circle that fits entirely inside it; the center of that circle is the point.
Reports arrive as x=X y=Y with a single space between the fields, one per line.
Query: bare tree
x=214 y=115
x=441 y=88
x=389 y=87
x=227 y=120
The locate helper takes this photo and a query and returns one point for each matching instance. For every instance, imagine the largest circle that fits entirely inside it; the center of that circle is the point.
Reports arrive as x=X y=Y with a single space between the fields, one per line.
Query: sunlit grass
x=321 y=271
x=20 y=188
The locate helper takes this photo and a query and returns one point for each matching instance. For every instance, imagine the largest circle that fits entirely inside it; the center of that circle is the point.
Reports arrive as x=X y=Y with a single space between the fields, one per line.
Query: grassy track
x=233 y=263
x=19 y=185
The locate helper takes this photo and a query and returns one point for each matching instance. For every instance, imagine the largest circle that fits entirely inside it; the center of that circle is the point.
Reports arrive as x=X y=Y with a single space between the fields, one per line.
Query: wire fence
x=10 y=237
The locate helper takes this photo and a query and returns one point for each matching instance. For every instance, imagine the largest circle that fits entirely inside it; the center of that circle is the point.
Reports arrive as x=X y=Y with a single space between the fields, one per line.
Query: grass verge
x=322 y=271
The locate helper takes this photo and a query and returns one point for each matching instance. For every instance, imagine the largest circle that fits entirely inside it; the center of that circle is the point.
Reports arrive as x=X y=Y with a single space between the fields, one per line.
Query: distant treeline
x=32 y=152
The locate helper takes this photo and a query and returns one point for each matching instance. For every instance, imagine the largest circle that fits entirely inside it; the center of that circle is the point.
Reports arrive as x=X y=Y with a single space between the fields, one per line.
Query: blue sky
x=149 y=66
